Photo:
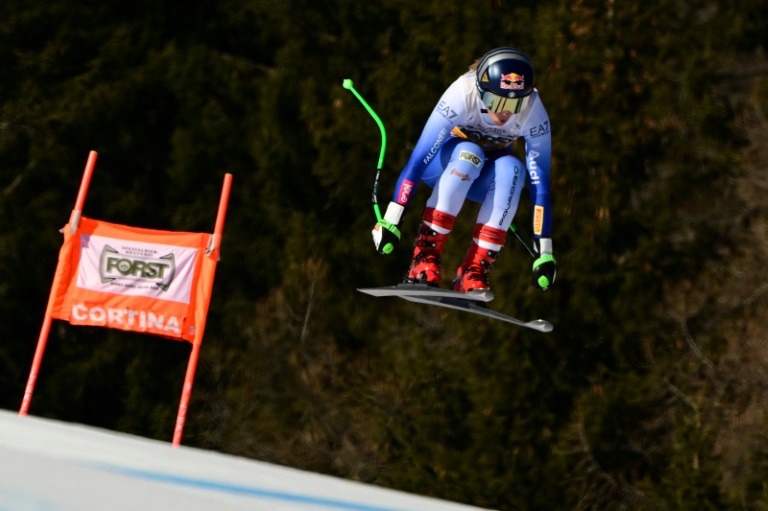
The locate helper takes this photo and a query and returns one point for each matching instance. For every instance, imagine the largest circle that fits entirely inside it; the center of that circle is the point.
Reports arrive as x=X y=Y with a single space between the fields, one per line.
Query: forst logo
x=137 y=270
x=471 y=158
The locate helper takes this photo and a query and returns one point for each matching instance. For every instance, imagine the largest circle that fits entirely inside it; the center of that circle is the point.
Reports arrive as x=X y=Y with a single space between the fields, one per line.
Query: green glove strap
x=390 y=227
x=543 y=259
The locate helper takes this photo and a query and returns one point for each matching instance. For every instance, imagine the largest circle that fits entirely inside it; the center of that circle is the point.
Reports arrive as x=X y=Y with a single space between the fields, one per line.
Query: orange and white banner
x=142 y=280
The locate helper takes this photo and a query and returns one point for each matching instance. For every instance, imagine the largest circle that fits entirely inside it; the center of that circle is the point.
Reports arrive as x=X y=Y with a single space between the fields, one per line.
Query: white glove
x=386 y=233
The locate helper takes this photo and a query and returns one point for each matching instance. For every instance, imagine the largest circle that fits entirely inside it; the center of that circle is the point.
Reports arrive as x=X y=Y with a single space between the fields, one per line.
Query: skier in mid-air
x=465 y=151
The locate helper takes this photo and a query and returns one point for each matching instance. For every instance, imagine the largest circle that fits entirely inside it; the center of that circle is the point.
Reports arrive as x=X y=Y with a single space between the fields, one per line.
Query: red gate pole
x=74 y=218
x=42 y=340
x=213 y=251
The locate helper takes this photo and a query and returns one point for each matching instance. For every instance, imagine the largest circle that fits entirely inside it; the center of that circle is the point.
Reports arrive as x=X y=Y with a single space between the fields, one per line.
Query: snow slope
x=54 y=466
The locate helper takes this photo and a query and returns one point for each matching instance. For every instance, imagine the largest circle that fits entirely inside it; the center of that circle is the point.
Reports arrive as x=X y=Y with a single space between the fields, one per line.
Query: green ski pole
x=525 y=242
x=347 y=84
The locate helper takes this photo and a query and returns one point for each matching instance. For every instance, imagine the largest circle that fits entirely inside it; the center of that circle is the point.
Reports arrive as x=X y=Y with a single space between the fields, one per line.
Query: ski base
x=406 y=289
x=453 y=300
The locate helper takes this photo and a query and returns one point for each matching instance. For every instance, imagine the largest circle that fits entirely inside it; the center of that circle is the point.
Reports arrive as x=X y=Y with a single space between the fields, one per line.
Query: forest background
x=650 y=393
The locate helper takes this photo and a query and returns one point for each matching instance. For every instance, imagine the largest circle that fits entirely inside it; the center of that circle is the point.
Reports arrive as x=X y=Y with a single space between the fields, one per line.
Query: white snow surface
x=47 y=465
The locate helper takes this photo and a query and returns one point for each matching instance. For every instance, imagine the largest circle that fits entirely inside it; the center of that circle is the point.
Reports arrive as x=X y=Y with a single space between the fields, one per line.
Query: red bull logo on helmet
x=512 y=81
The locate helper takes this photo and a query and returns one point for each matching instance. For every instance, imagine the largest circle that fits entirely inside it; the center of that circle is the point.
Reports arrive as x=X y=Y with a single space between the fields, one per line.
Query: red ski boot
x=472 y=275
x=425 y=267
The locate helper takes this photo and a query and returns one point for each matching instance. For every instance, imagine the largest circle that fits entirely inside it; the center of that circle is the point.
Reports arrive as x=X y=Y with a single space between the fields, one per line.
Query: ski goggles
x=496 y=103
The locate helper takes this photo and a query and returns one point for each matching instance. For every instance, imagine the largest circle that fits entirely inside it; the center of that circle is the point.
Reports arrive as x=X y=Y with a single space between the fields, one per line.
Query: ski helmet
x=504 y=79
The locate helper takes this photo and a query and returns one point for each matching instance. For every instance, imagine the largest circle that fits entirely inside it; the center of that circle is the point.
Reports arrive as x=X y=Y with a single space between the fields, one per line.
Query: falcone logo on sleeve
x=134 y=268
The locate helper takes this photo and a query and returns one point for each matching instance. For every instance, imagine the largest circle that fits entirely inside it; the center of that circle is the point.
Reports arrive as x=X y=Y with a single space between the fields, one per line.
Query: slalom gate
x=133 y=279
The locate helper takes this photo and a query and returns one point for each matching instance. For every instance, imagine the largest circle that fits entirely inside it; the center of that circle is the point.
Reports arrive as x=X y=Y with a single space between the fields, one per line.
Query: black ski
x=402 y=290
x=473 y=303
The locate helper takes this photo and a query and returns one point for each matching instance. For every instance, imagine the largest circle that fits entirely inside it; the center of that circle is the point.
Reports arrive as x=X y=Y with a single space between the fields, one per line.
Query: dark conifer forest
x=650 y=394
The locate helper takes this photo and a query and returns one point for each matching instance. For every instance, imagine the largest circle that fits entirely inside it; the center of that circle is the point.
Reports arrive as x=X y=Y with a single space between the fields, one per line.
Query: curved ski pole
x=347 y=84
x=527 y=244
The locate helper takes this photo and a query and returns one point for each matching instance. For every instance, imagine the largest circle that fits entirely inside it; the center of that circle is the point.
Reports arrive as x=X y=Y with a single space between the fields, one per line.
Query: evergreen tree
x=647 y=395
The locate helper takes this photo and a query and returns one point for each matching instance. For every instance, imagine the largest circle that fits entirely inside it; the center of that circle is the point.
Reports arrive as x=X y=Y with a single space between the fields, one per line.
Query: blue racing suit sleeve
x=538 y=155
x=436 y=132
